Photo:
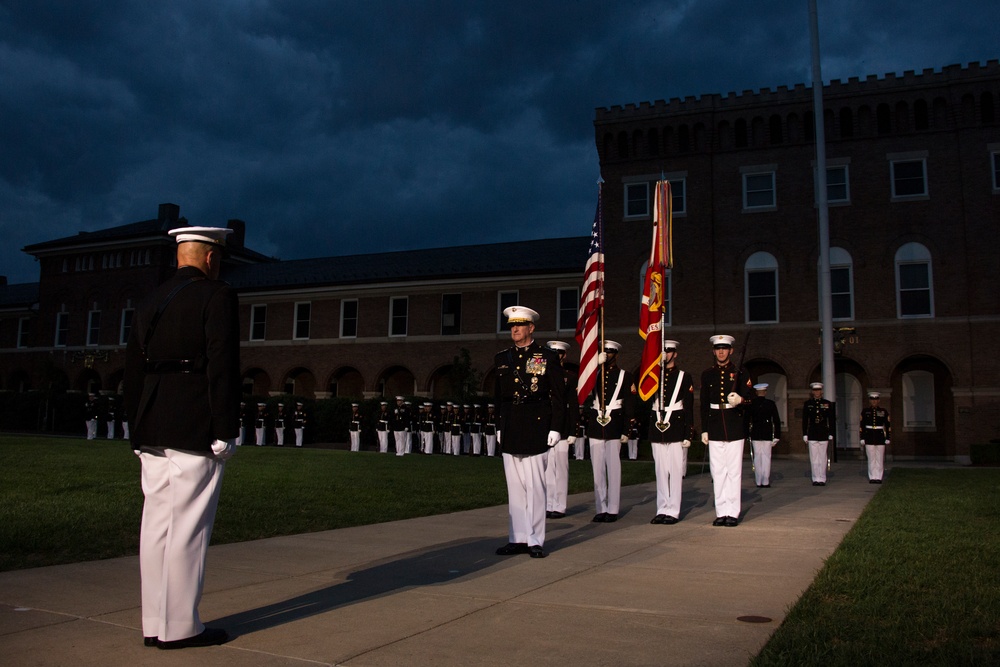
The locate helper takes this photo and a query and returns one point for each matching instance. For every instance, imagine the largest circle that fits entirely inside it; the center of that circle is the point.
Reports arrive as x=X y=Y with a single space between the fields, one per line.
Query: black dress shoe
x=719 y=521
x=878 y=481
x=670 y=520
x=600 y=518
x=208 y=637
x=556 y=515
x=820 y=483
x=548 y=514
x=149 y=641
x=610 y=518
x=766 y=486
x=659 y=518
x=512 y=549
x=732 y=521
x=815 y=483
x=537 y=552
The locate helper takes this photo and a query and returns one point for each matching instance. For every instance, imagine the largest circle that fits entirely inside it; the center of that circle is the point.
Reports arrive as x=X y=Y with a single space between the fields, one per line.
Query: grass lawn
x=65 y=500
x=915 y=582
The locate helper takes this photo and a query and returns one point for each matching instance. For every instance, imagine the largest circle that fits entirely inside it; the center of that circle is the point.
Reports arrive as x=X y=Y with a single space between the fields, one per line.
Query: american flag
x=591 y=303
x=651 y=312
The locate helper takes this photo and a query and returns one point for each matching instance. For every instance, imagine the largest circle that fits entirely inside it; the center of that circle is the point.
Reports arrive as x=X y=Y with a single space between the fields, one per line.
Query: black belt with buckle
x=167 y=366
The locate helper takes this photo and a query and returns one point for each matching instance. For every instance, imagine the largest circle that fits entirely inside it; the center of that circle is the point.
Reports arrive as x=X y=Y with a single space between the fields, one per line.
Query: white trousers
x=477 y=443
x=491 y=445
x=299 y=432
x=557 y=477
x=633 y=450
x=279 y=434
x=181 y=492
x=355 y=440
x=876 y=461
x=401 y=438
x=111 y=430
x=668 y=459
x=817 y=459
x=91 y=429
x=525 y=498
x=726 y=464
x=383 y=442
x=456 y=444
x=259 y=432
x=684 y=469
x=579 y=448
x=761 y=461
x=427 y=439
x=605 y=458
x=239 y=439
x=125 y=430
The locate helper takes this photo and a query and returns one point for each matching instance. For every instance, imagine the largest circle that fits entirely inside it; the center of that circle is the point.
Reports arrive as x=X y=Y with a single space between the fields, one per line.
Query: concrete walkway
x=430 y=591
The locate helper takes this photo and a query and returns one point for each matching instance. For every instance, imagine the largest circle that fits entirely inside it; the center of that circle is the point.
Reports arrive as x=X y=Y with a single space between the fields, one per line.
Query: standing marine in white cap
x=763 y=428
x=557 y=466
x=182 y=397
x=819 y=428
x=530 y=392
x=724 y=388
x=671 y=428
x=875 y=436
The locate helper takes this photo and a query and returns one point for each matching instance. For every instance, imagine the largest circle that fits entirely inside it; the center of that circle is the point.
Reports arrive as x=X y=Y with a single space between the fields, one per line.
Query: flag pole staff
x=600 y=308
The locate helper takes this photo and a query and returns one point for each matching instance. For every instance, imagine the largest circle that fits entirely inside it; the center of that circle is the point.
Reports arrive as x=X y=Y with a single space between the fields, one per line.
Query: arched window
x=914 y=282
x=842 y=284
x=918 y=401
x=846 y=122
x=775 y=129
x=761 y=292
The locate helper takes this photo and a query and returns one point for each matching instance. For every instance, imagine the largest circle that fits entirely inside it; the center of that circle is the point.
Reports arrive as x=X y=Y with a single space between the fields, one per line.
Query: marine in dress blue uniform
x=876 y=434
x=763 y=429
x=671 y=428
x=557 y=465
x=819 y=427
x=182 y=397
x=530 y=392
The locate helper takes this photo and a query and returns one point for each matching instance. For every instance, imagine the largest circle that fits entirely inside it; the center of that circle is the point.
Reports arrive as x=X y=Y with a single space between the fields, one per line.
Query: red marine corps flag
x=591 y=305
x=652 y=315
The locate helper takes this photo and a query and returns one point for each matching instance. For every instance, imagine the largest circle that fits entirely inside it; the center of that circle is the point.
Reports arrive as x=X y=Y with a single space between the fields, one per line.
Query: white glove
x=136 y=452
x=554 y=438
x=830 y=438
x=602 y=357
x=624 y=439
x=805 y=439
x=223 y=449
x=704 y=438
x=734 y=399
x=887 y=441
x=774 y=442
x=685 y=443
x=571 y=439
x=862 y=443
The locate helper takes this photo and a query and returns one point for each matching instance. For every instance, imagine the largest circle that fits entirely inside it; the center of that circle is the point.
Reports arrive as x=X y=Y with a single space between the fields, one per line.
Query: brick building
x=914 y=188
x=913 y=167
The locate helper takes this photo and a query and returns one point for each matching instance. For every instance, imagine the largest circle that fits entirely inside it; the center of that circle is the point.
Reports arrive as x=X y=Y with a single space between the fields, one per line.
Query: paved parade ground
x=431 y=591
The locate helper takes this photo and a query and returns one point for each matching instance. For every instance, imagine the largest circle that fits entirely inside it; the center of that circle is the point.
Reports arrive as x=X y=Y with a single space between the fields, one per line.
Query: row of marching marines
x=539 y=414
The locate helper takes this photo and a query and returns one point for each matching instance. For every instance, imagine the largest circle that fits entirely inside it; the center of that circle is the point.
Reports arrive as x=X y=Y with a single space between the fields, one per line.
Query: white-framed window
x=258 y=321
x=838 y=185
x=761 y=293
x=125 y=327
x=62 y=329
x=908 y=176
x=668 y=316
x=914 y=282
x=995 y=167
x=398 y=315
x=303 y=313
x=23 y=331
x=349 y=318
x=451 y=314
x=504 y=300
x=568 y=308
x=759 y=192
x=842 y=284
x=918 y=401
x=637 y=200
x=93 y=327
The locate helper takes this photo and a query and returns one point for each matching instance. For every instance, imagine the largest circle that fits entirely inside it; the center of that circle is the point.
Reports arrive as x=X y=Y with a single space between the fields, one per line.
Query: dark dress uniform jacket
x=819 y=419
x=530 y=392
x=185 y=410
x=875 y=426
x=725 y=423
x=680 y=423
x=763 y=420
x=621 y=418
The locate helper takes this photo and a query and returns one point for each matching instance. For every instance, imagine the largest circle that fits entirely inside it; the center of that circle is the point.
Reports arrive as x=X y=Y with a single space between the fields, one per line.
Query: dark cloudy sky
x=347 y=127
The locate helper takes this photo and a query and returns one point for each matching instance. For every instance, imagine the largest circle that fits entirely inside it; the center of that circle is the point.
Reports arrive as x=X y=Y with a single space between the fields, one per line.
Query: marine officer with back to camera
x=182 y=393
x=530 y=392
